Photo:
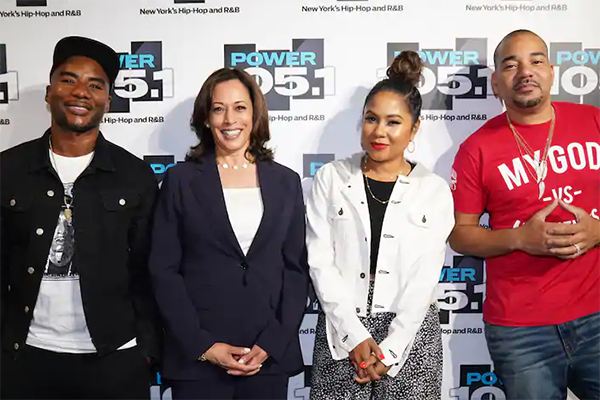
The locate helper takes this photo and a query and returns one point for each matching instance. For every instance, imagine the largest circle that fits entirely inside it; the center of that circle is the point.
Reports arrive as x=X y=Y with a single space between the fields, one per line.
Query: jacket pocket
x=16 y=202
x=120 y=200
x=420 y=218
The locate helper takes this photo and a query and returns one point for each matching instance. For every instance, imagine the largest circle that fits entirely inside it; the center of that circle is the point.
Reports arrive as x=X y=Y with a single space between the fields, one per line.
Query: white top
x=58 y=322
x=245 y=210
x=418 y=220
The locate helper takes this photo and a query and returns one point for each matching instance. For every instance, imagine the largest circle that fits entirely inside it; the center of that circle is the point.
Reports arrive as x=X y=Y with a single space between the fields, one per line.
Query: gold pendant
x=68 y=214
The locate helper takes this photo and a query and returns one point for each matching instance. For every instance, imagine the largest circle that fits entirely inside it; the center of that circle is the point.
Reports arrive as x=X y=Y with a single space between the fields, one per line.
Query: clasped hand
x=366 y=359
x=238 y=361
x=565 y=241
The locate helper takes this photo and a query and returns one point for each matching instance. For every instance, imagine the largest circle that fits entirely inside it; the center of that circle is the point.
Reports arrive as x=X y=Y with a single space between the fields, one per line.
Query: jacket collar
x=102 y=154
x=354 y=168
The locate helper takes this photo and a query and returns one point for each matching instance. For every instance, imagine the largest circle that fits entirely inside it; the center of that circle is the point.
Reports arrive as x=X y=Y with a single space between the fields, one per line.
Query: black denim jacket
x=113 y=204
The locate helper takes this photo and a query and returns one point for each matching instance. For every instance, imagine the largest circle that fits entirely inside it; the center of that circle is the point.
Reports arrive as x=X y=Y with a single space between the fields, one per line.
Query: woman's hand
x=226 y=357
x=365 y=355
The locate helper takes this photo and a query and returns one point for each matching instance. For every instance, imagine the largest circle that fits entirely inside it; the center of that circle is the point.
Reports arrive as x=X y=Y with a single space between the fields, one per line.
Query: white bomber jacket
x=417 y=222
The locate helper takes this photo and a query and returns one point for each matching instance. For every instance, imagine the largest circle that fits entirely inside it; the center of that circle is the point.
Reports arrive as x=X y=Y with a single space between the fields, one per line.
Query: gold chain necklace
x=364 y=162
x=372 y=194
x=67 y=200
x=541 y=167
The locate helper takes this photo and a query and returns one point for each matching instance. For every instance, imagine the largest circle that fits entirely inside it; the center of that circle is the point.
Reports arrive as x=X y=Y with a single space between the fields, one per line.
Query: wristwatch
x=202 y=358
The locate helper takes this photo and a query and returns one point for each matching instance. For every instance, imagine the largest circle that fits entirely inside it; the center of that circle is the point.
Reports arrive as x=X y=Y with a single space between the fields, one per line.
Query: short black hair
x=510 y=35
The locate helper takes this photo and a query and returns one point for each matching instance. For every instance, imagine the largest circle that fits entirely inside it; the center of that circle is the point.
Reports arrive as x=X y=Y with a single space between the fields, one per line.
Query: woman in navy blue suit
x=228 y=257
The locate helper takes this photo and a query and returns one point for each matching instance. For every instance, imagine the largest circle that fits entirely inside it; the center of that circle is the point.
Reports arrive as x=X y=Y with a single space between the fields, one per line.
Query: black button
x=244 y=266
x=362 y=275
x=357 y=309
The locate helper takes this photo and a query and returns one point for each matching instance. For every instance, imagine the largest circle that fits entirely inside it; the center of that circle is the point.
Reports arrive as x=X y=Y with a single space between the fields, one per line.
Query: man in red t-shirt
x=535 y=169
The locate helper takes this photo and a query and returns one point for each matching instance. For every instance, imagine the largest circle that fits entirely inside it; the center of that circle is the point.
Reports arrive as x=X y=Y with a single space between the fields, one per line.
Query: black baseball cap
x=72 y=46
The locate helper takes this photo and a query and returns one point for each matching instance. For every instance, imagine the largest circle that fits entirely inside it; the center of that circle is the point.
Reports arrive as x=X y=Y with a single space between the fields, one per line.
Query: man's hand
x=569 y=241
x=533 y=235
x=255 y=358
x=224 y=356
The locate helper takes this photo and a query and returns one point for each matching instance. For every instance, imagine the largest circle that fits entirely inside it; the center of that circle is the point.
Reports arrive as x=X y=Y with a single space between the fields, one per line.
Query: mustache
x=526 y=81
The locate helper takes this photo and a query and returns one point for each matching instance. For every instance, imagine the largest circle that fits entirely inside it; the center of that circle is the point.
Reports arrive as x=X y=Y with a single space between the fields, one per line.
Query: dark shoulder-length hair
x=260 y=135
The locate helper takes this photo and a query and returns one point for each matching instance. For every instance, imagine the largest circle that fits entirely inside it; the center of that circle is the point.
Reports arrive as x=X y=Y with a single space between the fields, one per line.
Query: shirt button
x=357 y=310
x=362 y=275
x=16 y=346
x=50 y=193
x=26 y=309
x=13 y=202
x=122 y=202
x=39 y=231
x=30 y=270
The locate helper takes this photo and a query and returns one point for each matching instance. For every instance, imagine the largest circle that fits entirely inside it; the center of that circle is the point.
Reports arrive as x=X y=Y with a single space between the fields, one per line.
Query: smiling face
x=524 y=75
x=78 y=95
x=230 y=117
x=387 y=127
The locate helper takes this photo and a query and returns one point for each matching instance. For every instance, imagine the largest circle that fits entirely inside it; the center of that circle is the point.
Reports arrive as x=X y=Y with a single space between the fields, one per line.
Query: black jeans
x=42 y=374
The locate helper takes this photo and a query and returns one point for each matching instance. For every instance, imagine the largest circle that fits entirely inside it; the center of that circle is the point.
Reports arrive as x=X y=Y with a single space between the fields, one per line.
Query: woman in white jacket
x=377 y=231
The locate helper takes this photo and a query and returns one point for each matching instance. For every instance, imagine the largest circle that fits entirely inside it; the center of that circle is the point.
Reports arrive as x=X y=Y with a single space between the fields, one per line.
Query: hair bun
x=407 y=66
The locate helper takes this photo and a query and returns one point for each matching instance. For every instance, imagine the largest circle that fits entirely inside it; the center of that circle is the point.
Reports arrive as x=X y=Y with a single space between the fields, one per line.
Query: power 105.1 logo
x=449 y=74
x=160 y=165
x=142 y=77
x=576 y=73
x=478 y=382
x=462 y=288
x=9 y=88
x=299 y=73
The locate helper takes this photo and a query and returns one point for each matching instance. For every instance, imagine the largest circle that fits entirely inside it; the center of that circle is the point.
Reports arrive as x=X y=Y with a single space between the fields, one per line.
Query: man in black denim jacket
x=78 y=316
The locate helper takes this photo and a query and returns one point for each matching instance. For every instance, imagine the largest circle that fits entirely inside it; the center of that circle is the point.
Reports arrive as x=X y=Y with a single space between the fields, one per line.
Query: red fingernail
x=363 y=365
x=381 y=357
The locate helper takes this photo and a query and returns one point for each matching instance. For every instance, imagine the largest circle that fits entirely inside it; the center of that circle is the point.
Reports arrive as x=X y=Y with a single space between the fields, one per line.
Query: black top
x=383 y=191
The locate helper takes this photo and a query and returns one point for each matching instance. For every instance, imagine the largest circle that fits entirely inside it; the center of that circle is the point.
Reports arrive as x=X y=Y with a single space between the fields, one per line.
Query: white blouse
x=245 y=210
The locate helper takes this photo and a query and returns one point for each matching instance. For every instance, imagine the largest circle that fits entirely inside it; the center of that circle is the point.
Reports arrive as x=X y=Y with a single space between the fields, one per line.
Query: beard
x=60 y=117
x=528 y=103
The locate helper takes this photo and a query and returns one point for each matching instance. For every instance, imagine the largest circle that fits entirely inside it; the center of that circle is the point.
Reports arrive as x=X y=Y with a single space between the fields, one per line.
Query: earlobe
x=47 y=93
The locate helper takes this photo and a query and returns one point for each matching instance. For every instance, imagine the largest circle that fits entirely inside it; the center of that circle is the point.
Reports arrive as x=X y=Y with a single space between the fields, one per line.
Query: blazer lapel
x=208 y=190
x=271 y=191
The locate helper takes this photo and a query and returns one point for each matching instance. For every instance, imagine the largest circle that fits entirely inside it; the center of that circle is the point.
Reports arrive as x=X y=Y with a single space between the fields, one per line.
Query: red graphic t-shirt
x=490 y=175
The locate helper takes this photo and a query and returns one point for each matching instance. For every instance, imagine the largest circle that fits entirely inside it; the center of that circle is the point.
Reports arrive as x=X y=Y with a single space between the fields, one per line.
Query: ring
x=577 y=247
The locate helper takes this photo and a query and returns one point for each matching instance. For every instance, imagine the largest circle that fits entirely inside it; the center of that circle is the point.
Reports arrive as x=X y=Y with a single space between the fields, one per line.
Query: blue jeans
x=540 y=362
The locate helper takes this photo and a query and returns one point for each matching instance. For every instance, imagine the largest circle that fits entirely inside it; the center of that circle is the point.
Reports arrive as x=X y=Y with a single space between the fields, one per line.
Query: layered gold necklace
x=540 y=167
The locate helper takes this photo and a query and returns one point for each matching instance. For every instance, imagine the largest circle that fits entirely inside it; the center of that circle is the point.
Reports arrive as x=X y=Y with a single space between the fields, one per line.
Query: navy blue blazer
x=208 y=291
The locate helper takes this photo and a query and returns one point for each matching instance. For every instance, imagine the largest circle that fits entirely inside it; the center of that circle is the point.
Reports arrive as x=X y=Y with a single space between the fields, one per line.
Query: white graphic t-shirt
x=58 y=318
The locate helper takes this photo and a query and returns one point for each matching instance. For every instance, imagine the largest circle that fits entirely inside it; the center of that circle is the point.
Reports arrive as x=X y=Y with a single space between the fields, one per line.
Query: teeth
x=231 y=132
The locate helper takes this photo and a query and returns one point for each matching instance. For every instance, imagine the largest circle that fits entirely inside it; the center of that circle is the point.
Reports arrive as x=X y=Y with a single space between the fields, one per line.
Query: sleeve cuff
x=274 y=340
x=352 y=334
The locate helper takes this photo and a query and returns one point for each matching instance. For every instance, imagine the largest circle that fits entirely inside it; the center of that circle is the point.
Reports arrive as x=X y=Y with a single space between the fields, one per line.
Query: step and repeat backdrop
x=315 y=60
